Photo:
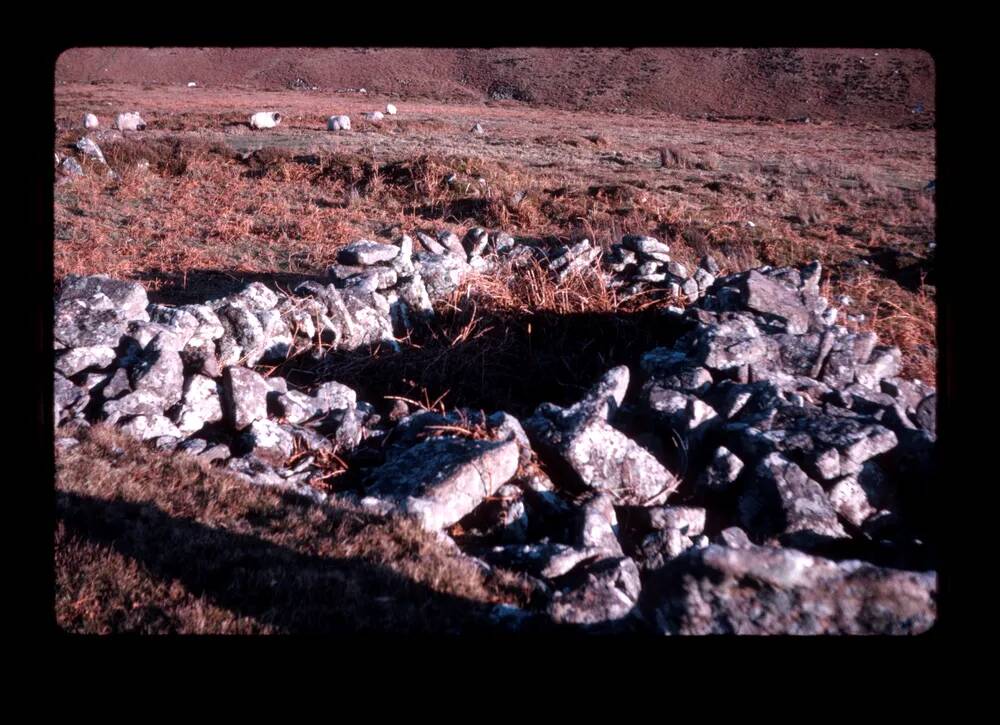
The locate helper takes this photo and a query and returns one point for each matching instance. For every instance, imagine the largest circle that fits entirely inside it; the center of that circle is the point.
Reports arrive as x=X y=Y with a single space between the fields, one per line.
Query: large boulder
x=442 y=479
x=601 y=456
x=762 y=590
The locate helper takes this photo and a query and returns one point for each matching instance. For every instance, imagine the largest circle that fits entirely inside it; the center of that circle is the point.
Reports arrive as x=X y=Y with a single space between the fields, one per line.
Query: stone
x=244 y=398
x=720 y=475
x=161 y=373
x=146 y=427
x=602 y=457
x=80 y=359
x=647 y=247
x=441 y=274
x=452 y=244
x=765 y=295
x=761 y=590
x=243 y=326
x=597 y=526
x=255 y=296
x=442 y=479
x=926 y=414
x=129 y=297
x=546 y=560
x=269 y=441
x=79 y=323
x=202 y=404
x=364 y=252
x=88 y=148
x=430 y=244
x=71 y=167
x=781 y=499
x=597 y=593
x=735 y=538
x=66 y=397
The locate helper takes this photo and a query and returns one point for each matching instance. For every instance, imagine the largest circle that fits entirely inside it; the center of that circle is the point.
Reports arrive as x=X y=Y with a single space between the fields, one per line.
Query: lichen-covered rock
x=161 y=373
x=80 y=359
x=597 y=593
x=269 y=441
x=89 y=322
x=597 y=526
x=761 y=590
x=545 y=559
x=440 y=480
x=441 y=273
x=601 y=456
x=781 y=499
x=128 y=297
x=364 y=253
x=146 y=427
x=721 y=473
x=202 y=404
x=244 y=398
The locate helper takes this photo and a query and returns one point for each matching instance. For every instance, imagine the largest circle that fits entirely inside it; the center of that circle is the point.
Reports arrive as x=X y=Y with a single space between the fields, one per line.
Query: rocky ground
x=766 y=472
x=518 y=357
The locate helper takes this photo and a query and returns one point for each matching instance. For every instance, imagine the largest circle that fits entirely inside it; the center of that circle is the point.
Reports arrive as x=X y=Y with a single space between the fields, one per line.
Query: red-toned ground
x=705 y=158
x=864 y=85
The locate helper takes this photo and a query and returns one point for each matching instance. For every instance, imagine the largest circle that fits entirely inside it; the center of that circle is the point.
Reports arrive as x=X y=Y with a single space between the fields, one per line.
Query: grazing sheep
x=131 y=121
x=90 y=121
x=376 y=116
x=338 y=123
x=477 y=129
x=390 y=109
x=265 y=119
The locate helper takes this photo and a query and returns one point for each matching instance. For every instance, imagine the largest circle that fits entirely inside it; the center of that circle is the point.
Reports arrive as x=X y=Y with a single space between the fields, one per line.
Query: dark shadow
x=275 y=585
x=202 y=285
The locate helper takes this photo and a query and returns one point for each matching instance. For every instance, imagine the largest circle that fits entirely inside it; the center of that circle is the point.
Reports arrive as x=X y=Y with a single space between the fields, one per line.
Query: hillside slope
x=832 y=84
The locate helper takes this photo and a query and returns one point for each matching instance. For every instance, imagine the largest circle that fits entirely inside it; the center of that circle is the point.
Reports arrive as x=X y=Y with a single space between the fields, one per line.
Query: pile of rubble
x=767 y=473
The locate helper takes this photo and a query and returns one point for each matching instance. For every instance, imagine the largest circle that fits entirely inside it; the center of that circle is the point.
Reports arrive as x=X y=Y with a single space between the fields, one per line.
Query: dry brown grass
x=833 y=194
x=149 y=542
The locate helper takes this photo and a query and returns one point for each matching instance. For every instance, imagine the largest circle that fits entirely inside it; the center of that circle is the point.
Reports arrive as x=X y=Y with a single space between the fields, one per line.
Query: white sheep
x=265 y=119
x=374 y=116
x=130 y=121
x=390 y=109
x=338 y=123
x=90 y=121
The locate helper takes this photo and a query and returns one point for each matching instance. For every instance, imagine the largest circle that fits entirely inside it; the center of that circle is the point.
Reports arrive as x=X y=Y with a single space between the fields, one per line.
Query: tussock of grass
x=150 y=542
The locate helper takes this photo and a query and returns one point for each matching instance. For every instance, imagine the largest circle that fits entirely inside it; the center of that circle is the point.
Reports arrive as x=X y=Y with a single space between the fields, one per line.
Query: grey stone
x=595 y=593
x=601 y=456
x=269 y=441
x=145 y=427
x=80 y=323
x=441 y=274
x=245 y=329
x=597 y=526
x=442 y=479
x=364 y=252
x=430 y=244
x=926 y=414
x=475 y=241
x=88 y=148
x=760 y=590
x=735 y=538
x=721 y=473
x=202 y=404
x=780 y=499
x=452 y=244
x=244 y=398
x=546 y=560
x=79 y=359
x=129 y=297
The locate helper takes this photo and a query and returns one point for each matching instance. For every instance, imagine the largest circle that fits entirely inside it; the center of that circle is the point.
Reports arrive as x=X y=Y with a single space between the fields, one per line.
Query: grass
x=153 y=543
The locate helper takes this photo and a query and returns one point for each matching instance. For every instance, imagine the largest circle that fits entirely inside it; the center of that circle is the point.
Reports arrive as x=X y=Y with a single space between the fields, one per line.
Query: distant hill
x=876 y=85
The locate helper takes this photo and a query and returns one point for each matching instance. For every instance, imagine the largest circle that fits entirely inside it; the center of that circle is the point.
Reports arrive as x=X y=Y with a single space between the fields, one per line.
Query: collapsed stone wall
x=767 y=473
